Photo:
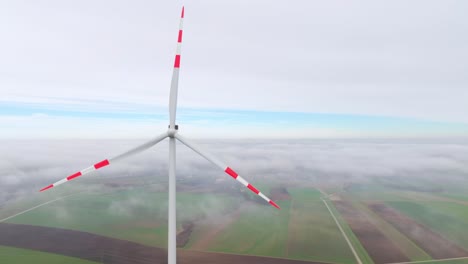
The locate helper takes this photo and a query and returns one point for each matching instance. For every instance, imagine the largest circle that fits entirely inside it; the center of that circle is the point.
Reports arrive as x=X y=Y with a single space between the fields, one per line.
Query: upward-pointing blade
x=107 y=162
x=175 y=75
x=225 y=168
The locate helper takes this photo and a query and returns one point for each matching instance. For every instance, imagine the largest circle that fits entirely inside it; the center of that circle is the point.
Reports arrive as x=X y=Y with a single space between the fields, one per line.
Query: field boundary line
x=37 y=206
x=289 y=226
x=263 y=256
x=426 y=261
x=342 y=232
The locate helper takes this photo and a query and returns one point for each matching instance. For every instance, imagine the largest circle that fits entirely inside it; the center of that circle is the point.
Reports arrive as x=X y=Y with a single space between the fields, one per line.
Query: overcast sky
x=310 y=68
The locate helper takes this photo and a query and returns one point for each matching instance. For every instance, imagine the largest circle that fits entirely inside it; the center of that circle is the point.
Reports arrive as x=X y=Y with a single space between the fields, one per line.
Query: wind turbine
x=172 y=134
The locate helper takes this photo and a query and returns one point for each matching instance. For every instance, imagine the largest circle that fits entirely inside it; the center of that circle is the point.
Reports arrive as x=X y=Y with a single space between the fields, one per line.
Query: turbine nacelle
x=171 y=131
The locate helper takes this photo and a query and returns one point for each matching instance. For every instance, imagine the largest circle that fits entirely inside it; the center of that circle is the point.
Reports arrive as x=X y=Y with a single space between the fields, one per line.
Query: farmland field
x=289 y=233
x=102 y=249
x=445 y=218
x=305 y=240
x=355 y=242
x=303 y=229
x=235 y=222
x=123 y=214
x=404 y=244
x=24 y=256
x=379 y=247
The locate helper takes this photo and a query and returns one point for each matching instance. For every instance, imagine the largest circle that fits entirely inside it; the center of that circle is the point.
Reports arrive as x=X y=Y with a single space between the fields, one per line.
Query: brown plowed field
x=379 y=247
x=434 y=244
x=184 y=235
x=110 y=250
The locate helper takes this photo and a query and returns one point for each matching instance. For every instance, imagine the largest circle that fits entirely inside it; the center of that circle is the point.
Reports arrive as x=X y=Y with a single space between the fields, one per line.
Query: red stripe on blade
x=182 y=15
x=48 y=187
x=101 y=164
x=177 y=61
x=274 y=204
x=253 y=189
x=179 y=39
x=73 y=176
x=231 y=172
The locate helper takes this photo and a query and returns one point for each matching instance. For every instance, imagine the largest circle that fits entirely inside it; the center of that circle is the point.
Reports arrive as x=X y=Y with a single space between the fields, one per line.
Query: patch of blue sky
x=349 y=122
x=27 y=109
x=366 y=124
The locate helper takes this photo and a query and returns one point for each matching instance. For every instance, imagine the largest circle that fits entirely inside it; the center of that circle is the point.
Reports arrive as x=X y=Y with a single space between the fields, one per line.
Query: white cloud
x=394 y=58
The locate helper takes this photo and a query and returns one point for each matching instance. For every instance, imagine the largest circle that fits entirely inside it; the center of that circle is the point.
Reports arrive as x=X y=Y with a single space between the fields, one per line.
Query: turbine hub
x=172 y=131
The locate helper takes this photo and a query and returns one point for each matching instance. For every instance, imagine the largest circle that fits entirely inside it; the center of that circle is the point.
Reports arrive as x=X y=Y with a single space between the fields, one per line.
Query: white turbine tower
x=172 y=134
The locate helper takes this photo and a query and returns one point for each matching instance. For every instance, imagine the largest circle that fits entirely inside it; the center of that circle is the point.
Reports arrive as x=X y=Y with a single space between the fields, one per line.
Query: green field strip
x=373 y=192
x=119 y=214
x=313 y=234
x=314 y=237
x=25 y=256
x=457 y=196
x=444 y=218
x=440 y=261
x=96 y=214
x=432 y=197
x=453 y=261
x=360 y=250
x=302 y=229
x=407 y=246
x=259 y=230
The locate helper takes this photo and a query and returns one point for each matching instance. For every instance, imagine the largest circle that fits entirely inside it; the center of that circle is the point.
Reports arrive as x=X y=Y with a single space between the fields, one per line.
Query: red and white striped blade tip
x=236 y=176
x=182 y=15
x=90 y=169
x=48 y=187
x=275 y=205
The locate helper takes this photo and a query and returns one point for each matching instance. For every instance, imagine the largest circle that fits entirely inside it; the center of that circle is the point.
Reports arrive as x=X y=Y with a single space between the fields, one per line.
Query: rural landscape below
x=368 y=206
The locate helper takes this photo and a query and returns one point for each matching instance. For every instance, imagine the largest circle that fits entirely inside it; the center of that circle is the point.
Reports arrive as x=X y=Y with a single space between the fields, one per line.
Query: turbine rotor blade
x=226 y=169
x=175 y=76
x=107 y=162
x=140 y=148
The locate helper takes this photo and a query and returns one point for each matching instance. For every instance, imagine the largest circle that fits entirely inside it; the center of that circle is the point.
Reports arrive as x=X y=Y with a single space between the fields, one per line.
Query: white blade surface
x=226 y=169
x=106 y=162
x=175 y=76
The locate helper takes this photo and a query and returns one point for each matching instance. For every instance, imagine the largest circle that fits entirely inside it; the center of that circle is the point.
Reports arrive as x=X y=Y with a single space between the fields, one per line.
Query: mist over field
x=27 y=166
x=372 y=185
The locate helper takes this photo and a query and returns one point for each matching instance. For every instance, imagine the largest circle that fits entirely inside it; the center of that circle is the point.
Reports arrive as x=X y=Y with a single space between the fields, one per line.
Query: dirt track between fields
x=434 y=244
x=377 y=245
x=110 y=250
